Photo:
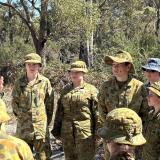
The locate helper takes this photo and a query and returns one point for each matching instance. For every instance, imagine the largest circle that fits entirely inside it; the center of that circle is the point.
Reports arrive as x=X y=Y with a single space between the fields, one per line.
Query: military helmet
x=155 y=88
x=123 y=126
x=120 y=57
x=78 y=66
x=4 y=117
x=33 y=58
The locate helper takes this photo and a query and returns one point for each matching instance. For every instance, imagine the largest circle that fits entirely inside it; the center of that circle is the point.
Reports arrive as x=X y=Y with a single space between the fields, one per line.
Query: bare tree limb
x=26 y=10
x=33 y=2
x=39 y=37
x=16 y=10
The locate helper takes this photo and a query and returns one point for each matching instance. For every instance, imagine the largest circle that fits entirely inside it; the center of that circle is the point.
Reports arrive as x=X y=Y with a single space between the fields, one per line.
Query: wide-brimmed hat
x=155 y=88
x=152 y=64
x=78 y=66
x=120 y=57
x=123 y=126
x=33 y=58
x=4 y=117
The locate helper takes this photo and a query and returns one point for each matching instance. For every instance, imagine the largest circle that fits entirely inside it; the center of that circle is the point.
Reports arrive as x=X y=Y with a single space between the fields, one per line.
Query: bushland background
x=62 y=31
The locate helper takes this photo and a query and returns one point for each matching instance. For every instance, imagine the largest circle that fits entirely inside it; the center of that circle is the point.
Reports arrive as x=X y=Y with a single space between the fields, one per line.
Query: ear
x=129 y=67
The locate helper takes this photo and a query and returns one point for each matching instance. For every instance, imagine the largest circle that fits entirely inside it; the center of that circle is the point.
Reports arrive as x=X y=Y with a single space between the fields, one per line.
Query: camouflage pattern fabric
x=81 y=149
x=33 y=58
x=155 y=88
x=120 y=57
x=123 y=126
x=2 y=104
x=79 y=120
x=33 y=107
x=78 y=66
x=122 y=131
x=132 y=94
x=151 y=150
x=12 y=148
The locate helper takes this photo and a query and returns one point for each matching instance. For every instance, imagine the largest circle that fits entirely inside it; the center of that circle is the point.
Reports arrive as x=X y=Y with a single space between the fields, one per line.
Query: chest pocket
x=76 y=102
x=25 y=99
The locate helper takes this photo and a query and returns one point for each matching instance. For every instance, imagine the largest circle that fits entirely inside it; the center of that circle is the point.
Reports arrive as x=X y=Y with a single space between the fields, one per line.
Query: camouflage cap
x=155 y=88
x=123 y=126
x=120 y=57
x=78 y=66
x=4 y=117
x=152 y=64
x=33 y=58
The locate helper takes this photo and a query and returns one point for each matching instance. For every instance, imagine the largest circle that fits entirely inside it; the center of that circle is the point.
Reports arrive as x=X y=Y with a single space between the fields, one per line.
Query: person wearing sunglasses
x=151 y=130
x=152 y=71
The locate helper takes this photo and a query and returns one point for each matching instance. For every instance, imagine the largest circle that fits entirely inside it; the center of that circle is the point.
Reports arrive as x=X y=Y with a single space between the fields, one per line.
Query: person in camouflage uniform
x=122 y=133
x=12 y=148
x=33 y=106
x=76 y=118
x=152 y=71
x=121 y=89
x=151 y=150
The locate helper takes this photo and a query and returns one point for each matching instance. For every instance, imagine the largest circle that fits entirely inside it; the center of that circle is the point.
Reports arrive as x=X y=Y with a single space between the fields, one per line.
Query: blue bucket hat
x=152 y=64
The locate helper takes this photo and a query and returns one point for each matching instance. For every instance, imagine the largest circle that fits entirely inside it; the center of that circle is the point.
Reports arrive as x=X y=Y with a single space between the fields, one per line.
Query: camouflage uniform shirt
x=80 y=116
x=151 y=150
x=33 y=107
x=131 y=94
x=12 y=148
x=3 y=126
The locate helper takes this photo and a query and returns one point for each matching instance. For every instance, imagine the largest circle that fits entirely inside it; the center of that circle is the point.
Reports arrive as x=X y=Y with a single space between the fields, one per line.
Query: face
x=32 y=68
x=120 y=69
x=76 y=76
x=116 y=148
x=153 y=100
x=1 y=83
x=152 y=76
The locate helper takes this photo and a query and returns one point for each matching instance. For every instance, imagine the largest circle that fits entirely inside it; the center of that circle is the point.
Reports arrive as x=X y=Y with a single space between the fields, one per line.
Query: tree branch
x=28 y=23
x=26 y=10
x=33 y=5
x=16 y=10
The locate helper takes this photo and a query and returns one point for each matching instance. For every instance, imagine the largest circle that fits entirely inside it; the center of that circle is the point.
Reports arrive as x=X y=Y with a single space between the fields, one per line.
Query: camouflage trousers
x=40 y=148
x=80 y=149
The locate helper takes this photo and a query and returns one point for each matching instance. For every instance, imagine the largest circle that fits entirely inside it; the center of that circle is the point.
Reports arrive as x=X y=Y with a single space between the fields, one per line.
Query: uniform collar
x=126 y=85
x=153 y=115
x=82 y=85
x=24 y=80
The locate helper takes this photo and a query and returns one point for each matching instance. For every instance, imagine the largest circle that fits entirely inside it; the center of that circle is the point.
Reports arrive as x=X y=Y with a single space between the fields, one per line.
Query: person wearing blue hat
x=152 y=70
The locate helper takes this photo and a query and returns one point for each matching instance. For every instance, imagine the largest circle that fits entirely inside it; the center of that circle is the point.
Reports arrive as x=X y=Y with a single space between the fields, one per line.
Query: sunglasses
x=148 y=70
x=152 y=95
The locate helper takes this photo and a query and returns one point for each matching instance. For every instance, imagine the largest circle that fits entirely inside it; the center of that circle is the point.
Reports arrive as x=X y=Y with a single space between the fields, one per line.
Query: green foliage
x=14 y=53
x=117 y=24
